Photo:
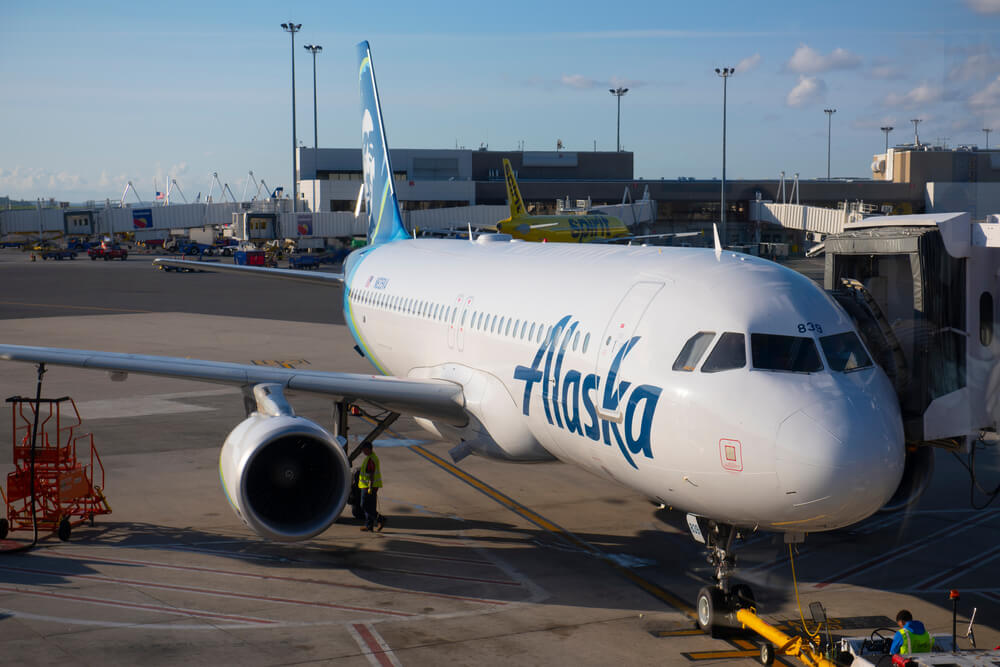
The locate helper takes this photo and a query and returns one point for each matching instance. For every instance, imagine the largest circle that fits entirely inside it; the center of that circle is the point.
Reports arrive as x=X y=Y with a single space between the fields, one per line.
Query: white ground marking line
x=972 y=563
x=143 y=406
x=373 y=646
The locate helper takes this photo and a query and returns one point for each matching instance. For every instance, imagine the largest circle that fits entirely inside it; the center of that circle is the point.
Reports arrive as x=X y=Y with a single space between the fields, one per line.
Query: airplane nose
x=839 y=462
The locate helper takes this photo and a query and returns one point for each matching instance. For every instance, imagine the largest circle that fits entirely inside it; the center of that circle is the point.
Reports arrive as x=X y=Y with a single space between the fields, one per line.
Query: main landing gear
x=717 y=605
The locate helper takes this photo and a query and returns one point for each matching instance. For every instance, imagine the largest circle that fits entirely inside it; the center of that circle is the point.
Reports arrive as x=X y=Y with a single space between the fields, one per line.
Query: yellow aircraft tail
x=513 y=193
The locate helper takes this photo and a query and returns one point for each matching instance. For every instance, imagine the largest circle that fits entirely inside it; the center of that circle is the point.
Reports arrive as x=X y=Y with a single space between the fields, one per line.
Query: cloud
x=988 y=98
x=978 y=66
x=578 y=81
x=806 y=60
x=984 y=6
x=809 y=89
x=921 y=95
x=886 y=71
x=30 y=181
x=581 y=82
x=748 y=63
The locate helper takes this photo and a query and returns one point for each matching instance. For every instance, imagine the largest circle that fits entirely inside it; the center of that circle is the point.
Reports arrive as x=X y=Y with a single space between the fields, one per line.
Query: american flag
x=159 y=195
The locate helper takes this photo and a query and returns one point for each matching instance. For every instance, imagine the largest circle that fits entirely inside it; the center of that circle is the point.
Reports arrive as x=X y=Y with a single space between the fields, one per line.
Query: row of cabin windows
x=794 y=354
x=500 y=325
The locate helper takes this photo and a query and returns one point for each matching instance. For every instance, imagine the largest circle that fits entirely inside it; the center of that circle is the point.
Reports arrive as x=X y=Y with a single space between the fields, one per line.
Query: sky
x=98 y=94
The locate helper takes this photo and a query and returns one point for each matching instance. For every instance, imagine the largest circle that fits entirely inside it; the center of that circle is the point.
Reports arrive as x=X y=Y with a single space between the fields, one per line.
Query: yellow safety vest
x=375 y=479
x=914 y=643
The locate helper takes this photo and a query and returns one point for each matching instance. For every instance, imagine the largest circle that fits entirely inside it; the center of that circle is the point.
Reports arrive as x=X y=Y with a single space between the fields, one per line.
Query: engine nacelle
x=286 y=476
x=917 y=472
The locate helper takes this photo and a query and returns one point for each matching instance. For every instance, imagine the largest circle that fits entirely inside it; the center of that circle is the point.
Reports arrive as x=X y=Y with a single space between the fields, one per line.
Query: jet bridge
x=924 y=292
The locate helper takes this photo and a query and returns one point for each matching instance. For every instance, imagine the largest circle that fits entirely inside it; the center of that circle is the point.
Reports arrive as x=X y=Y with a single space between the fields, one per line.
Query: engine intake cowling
x=286 y=476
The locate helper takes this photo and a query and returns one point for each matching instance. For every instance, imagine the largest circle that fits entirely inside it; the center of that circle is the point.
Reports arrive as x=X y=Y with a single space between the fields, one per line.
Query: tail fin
x=384 y=220
x=513 y=193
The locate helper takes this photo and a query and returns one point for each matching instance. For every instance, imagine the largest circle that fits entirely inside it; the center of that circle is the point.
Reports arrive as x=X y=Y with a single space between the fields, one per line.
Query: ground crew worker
x=369 y=482
x=912 y=636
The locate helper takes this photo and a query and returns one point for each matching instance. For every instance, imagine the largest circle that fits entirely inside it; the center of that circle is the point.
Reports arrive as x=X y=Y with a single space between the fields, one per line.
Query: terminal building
x=448 y=188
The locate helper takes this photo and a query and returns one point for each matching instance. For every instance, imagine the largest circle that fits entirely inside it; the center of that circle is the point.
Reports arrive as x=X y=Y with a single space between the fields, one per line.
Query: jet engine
x=917 y=471
x=286 y=476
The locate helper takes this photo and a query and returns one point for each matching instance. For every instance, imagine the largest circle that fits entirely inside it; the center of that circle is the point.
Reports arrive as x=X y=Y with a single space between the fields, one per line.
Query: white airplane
x=716 y=382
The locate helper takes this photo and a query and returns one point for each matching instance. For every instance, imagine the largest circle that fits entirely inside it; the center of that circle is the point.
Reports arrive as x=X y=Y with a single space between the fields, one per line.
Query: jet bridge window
x=844 y=352
x=785 y=353
x=729 y=353
x=693 y=350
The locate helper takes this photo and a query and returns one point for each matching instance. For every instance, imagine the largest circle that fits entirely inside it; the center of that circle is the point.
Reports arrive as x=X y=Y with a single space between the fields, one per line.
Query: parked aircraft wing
x=433 y=399
x=287 y=274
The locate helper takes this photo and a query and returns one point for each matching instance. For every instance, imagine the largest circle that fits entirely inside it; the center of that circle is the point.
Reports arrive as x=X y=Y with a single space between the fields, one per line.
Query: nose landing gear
x=717 y=605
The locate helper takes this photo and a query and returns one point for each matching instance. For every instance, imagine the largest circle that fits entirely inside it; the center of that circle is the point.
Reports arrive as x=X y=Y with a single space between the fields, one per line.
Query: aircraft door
x=465 y=312
x=621 y=327
x=456 y=321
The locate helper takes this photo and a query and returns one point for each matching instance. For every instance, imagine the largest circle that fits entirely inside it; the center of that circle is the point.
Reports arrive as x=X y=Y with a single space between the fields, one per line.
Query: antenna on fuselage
x=718 y=244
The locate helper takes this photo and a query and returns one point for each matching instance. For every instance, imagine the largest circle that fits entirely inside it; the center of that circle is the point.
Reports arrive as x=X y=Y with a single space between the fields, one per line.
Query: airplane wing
x=434 y=399
x=287 y=274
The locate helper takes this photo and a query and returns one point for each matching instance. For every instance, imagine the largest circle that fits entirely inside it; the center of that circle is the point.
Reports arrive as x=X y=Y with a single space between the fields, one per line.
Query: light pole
x=829 y=123
x=887 y=129
x=725 y=73
x=293 y=28
x=619 y=93
x=916 y=137
x=314 y=49
x=987 y=130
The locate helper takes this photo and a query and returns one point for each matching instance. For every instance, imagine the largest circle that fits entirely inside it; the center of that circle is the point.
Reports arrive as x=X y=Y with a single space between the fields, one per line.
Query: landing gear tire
x=711 y=607
x=767 y=653
x=64 y=530
x=4 y=528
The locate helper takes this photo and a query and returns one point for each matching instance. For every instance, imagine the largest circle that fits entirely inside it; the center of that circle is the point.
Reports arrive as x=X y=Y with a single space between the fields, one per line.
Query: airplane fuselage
x=563 y=228
x=569 y=351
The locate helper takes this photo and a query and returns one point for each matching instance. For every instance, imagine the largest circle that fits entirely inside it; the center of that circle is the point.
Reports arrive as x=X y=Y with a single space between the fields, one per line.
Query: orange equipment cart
x=68 y=473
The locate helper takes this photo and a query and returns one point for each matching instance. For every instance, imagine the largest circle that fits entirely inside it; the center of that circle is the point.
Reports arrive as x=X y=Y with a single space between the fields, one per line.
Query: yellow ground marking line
x=61 y=305
x=716 y=655
x=543 y=523
x=693 y=632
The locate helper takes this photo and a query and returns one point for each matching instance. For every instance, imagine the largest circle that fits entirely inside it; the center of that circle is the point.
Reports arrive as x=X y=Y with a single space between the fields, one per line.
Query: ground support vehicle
x=108 y=252
x=63 y=470
x=59 y=253
x=303 y=262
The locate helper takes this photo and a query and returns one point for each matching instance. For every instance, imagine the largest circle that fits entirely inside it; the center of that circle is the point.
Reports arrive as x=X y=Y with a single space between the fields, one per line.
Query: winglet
x=718 y=244
x=385 y=223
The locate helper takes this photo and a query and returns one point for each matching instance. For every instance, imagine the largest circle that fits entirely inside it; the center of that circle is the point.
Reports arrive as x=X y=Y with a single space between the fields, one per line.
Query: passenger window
x=447 y=315
x=541 y=331
x=500 y=330
x=531 y=336
x=524 y=327
x=576 y=339
x=729 y=353
x=693 y=350
x=586 y=343
x=844 y=352
x=785 y=353
x=985 y=318
x=507 y=333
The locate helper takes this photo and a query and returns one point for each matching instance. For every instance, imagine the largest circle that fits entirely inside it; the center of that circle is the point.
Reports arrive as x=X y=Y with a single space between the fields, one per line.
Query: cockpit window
x=693 y=350
x=844 y=352
x=729 y=353
x=785 y=353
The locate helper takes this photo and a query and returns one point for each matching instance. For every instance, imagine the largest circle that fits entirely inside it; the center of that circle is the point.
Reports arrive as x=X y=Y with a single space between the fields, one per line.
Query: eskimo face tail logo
x=571 y=403
x=368 y=166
